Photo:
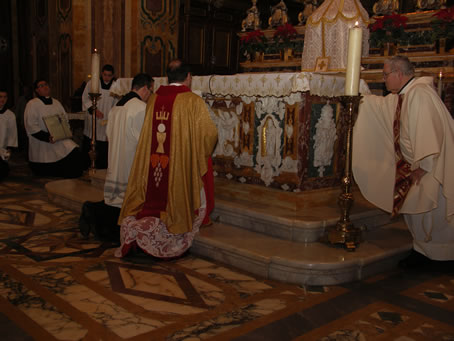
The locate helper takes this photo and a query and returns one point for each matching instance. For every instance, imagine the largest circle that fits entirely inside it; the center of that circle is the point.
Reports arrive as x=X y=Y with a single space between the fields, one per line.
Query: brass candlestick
x=344 y=232
x=92 y=153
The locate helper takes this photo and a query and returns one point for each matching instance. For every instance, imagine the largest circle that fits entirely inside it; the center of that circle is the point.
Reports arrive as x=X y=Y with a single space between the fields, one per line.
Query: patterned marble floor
x=55 y=285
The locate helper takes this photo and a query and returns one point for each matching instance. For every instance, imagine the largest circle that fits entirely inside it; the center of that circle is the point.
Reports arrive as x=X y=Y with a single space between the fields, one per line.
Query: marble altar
x=279 y=130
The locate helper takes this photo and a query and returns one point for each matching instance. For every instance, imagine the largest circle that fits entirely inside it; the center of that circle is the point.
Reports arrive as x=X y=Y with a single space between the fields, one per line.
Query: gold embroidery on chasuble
x=159 y=158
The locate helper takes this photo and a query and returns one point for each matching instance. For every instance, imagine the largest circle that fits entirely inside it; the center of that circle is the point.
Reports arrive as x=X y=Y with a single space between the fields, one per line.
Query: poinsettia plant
x=284 y=36
x=388 y=29
x=442 y=24
x=254 y=41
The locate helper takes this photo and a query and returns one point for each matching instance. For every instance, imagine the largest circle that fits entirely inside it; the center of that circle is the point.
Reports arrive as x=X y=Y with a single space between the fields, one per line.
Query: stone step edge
x=298 y=271
x=289 y=228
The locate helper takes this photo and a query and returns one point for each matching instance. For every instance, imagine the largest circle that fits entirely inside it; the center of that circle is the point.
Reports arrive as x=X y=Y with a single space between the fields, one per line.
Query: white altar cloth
x=259 y=84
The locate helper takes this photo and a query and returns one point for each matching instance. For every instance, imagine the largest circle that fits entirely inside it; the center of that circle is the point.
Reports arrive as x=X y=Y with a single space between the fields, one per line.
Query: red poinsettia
x=388 y=21
x=254 y=41
x=388 y=29
x=283 y=36
x=442 y=25
x=286 y=31
x=446 y=14
x=253 y=37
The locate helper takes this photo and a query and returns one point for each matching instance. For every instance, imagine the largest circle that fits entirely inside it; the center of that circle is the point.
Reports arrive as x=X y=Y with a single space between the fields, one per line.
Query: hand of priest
x=417 y=175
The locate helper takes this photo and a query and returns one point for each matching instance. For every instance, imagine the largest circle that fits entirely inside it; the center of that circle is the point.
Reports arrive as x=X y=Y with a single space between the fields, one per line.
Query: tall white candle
x=95 y=72
x=440 y=83
x=355 y=36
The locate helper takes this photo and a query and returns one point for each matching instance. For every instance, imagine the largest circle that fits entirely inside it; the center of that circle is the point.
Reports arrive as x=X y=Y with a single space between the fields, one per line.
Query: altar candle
x=355 y=36
x=95 y=72
x=440 y=83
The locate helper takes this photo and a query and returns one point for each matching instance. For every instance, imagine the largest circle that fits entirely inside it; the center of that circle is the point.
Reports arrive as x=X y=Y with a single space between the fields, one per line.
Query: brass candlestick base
x=92 y=153
x=344 y=232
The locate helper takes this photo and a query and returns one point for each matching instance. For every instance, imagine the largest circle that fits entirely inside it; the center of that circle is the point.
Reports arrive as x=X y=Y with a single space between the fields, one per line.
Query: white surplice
x=123 y=131
x=40 y=151
x=8 y=129
x=104 y=103
x=427 y=141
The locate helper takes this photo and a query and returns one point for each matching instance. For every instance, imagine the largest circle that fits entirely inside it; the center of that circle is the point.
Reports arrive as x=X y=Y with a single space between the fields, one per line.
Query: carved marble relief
x=325 y=135
x=256 y=138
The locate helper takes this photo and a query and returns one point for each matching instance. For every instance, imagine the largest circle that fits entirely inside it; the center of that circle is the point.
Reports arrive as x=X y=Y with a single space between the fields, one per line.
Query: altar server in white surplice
x=8 y=133
x=47 y=157
x=123 y=132
x=105 y=102
x=413 y=176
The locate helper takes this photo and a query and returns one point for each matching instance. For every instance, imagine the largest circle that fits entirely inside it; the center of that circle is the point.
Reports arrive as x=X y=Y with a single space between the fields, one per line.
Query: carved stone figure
x=430 y=4
x=252 y=20
x=309 y=7
x=385 y=7
x=278 y=15
x=325 y=135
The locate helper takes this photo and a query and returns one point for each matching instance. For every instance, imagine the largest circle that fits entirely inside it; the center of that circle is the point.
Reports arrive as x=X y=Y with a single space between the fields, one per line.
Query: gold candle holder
x=344 y=232
x=92 y=153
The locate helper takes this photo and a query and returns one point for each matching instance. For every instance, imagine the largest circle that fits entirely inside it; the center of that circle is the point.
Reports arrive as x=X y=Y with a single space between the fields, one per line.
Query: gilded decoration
x=159 y=28
x=386 y=7
x=156 y=11
x=252 y=20
x=278 y=15
x=430 y=4
x=64 y=9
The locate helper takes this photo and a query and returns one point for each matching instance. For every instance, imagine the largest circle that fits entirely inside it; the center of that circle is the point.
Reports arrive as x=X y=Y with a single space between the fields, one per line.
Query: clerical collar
x=2 y=110
x=46 y=100
x=402 y=88
x=176 y=84
x=125 y=99
x=106 y=86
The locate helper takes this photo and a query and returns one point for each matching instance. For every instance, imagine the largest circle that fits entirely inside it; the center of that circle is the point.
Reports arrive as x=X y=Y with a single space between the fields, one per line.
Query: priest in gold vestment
x=412 y=128
x=166 y=197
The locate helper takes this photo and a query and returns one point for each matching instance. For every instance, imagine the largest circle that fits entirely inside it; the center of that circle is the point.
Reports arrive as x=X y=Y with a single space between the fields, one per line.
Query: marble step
x=72 y=193
x=304 y=263
x=299 y=217
x=97 y=179
x=263 y=210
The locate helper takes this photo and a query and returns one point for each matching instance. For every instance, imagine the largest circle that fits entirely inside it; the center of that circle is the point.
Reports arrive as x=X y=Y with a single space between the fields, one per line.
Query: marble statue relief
x=228 y=124
x=324 y=138
x=269 y=152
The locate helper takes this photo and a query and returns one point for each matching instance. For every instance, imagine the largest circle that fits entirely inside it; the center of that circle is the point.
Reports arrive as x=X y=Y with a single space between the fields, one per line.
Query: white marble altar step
x=271 y=256
x=298 y=217
x=72 y=193
x=97 y=179
x=304 y=263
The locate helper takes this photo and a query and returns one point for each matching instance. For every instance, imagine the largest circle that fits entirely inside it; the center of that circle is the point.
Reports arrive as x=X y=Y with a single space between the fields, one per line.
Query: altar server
x=47 y=157
x=123 y=131
x=8 y=133
x=104 y=103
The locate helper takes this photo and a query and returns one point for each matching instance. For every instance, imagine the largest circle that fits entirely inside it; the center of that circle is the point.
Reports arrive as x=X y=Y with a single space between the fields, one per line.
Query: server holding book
x=51 y=150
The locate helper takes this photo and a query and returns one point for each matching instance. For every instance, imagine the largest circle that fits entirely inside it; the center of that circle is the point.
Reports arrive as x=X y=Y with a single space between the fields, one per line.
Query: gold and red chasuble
x=158 y=175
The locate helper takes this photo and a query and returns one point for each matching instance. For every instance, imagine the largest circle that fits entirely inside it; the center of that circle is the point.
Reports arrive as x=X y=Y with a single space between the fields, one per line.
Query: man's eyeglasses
x=42 y=85
x=386 y=74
